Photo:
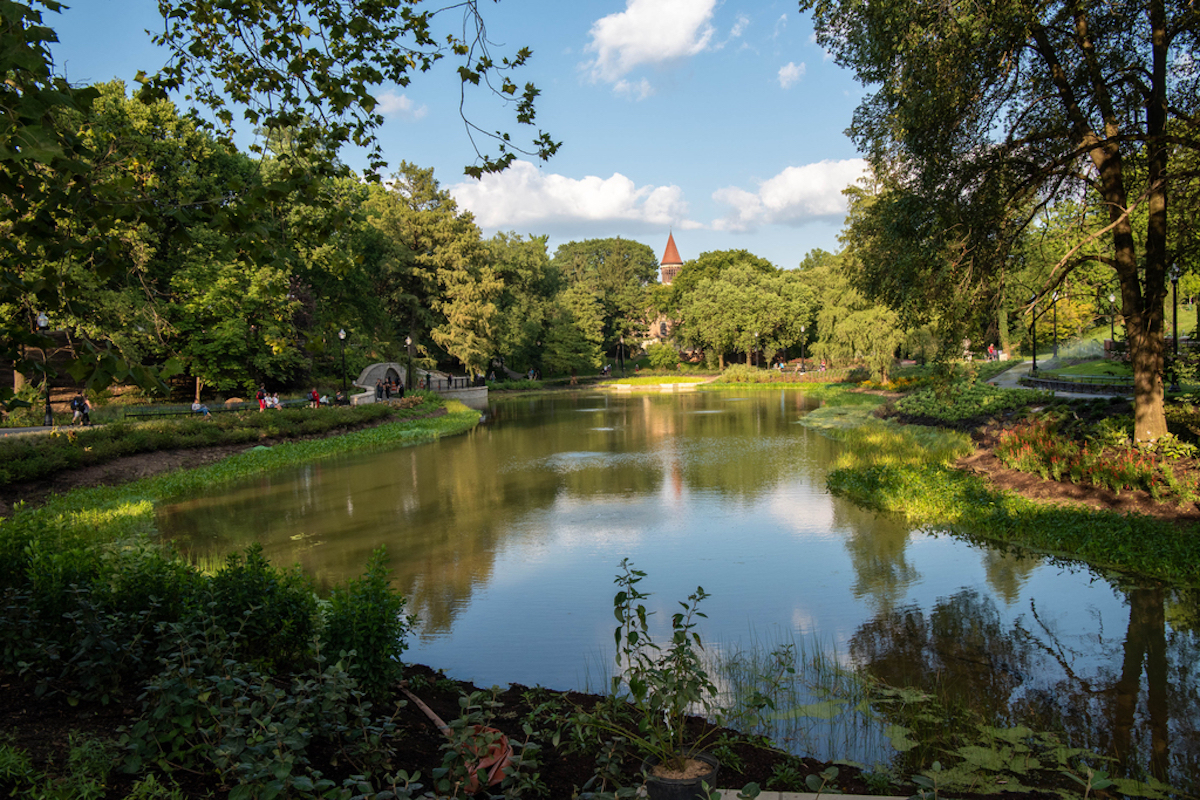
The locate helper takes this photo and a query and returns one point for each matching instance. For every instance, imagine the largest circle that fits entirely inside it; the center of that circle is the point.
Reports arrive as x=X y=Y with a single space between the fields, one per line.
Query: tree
x=616 y=272
x=988 y=112
x=308 y=66
x=525 y=304
x=575 y=333
x=286 y=63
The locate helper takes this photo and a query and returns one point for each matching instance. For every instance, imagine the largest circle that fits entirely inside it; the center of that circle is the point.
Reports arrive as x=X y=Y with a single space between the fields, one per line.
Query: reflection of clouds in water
x=596 y=526
x=808 y=514
x=602 y=429
x=709 y=411
x=584 y=410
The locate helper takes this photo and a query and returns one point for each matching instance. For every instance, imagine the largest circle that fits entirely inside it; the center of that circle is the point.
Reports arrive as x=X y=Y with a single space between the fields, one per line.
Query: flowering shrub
x=1038 y=447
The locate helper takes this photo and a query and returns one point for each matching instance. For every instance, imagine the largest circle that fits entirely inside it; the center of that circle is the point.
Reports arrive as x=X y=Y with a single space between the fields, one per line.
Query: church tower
x=671 y=262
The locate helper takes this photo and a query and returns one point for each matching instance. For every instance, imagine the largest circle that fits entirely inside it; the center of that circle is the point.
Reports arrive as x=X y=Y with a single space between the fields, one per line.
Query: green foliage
x=966 y=400
x=264 y=59
x=274 y=611
x=365 y=619
x=662 y=686
x=25 y=458
x=662 y=356
x=1102 y=456
x=918 y=483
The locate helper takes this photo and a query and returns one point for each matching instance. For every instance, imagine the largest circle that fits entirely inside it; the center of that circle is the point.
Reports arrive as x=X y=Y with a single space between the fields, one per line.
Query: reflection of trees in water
x=961 y=651
x=1133 y=698
x=877 y=549
x=1007 y=572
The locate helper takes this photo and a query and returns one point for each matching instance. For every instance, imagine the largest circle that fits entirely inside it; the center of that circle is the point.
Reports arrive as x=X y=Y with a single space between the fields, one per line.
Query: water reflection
x=506 y=539
x=1129 y=693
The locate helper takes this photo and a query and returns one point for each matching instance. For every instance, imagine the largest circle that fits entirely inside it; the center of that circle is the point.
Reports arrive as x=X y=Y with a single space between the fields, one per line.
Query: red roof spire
x=671 y=254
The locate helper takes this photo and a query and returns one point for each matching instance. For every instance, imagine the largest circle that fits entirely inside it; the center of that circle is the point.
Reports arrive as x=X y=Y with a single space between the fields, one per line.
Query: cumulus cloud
x=392 y=104
x=649 y=32
x=790 y=73
x=793 y=197
x=524 y=198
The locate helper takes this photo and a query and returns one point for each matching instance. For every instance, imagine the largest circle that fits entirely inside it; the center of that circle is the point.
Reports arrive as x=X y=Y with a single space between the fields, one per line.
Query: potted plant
x=655 y=689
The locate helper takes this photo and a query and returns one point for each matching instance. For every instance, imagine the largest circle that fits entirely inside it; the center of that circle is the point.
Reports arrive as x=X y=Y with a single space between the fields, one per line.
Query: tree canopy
x=984 y=114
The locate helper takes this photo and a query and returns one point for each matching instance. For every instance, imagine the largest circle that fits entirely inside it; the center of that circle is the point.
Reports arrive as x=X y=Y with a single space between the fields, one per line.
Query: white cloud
x=649 y=32
x=740 y=26
x=793 y=197
x=390 y=103
x=790 y=73
x=638 y=91
x=780 y=24
x=524 y=198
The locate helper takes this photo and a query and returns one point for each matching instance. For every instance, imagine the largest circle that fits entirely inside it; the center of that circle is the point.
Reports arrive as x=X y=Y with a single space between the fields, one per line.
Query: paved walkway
x=1011 y=377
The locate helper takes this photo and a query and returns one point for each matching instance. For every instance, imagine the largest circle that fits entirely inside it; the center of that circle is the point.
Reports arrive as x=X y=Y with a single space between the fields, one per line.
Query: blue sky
x=719 y=120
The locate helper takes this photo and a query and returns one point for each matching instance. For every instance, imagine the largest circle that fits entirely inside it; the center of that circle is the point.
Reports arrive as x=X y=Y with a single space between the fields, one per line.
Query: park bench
x=156 y=412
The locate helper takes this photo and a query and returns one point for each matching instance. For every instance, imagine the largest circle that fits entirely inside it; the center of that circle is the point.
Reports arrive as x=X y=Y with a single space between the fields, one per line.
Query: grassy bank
x=908 y=470
x=116 y=513
x=37 y=456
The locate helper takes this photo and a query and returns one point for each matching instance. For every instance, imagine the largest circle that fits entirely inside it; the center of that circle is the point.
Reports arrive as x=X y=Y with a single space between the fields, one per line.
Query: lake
x=506 y=541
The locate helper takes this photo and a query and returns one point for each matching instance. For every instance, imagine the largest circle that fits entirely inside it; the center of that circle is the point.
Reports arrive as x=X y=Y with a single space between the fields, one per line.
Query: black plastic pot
x=680 y=789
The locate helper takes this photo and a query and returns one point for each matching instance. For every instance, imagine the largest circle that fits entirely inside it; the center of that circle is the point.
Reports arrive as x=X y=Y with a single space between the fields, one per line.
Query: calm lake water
x=506 y=541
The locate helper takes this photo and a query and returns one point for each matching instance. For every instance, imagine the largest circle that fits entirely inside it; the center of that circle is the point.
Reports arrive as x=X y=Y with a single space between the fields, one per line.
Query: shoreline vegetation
x=80 y=573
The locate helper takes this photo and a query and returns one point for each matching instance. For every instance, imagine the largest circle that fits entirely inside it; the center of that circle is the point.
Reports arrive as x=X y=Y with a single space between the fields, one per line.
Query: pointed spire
x=671 y=254
x=671 y=262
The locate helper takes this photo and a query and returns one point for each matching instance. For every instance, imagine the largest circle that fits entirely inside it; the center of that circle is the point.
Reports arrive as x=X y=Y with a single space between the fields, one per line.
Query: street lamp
x=342 y=340
x=621 y=355
x=1054 y=305
x=756 y=348
x=802 y=348
x=1175 y=327
x=1112 y=316
x=43 y=323
x=1033 y=325
x=408 y=372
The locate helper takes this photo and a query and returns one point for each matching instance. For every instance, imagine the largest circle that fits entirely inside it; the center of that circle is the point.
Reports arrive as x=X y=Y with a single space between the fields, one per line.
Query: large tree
x=617 y=272
x=309 y=66
x=987 y=111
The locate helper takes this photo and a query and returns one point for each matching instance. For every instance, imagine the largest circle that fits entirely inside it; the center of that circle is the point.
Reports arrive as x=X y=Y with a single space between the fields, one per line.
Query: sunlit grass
x=109 y=514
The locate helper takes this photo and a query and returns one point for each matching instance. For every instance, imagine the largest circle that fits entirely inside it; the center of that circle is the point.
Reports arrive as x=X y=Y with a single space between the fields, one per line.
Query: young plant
x=662 y=685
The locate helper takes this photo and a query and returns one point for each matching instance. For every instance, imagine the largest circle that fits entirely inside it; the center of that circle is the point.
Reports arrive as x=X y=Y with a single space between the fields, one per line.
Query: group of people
x=385 y=389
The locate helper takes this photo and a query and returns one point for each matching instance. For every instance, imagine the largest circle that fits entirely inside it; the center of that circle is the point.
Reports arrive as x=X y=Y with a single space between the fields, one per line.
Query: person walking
x=379 y=390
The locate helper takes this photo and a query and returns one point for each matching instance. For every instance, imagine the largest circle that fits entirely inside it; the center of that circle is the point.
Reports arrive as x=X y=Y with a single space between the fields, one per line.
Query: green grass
x=107 y=514
x=907 y=470
x=1101 y=366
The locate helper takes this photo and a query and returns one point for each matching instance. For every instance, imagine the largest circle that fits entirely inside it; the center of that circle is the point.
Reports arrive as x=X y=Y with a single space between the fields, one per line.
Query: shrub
x=274 y=611
x=365 y=616
x=662 y=356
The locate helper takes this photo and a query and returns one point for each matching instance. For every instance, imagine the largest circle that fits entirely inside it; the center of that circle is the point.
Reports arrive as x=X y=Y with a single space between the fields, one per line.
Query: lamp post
x=1112 y=316
x=43 y=323
x=802 y=348
x=1054 y=306
x=621 y=355
x=408 y=372
x=1175 y=328
x=756 y=349
x=1033 y=325
x=342 y=340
